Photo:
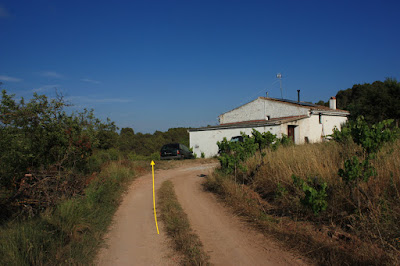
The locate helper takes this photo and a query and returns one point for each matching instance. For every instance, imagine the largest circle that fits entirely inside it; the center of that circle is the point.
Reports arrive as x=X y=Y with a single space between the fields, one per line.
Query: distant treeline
x=146 y=144
x=376 y=102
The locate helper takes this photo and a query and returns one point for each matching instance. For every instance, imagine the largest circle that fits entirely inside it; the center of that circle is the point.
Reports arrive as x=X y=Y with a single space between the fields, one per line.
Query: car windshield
x=170 y=148
x=183 y=147
x=238 y=138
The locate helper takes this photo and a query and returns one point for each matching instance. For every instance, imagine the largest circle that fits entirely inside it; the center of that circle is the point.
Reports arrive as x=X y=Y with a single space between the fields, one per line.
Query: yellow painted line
x=154 y=196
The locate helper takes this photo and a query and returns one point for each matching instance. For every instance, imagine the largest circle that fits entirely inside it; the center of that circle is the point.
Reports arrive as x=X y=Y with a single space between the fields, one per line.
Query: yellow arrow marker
x=154 y=196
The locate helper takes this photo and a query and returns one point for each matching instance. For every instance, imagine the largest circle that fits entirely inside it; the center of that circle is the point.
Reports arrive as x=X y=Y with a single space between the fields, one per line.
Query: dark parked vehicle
x=175 y=151
x=234 y=139
x=237 y=139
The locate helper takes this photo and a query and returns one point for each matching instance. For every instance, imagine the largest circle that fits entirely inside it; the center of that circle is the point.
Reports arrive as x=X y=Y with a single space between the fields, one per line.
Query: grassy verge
x=70 y=232
x=267 y=196
x=178 y=227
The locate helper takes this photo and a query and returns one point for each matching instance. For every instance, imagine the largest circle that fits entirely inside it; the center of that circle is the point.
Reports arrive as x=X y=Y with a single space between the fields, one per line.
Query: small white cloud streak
x=91 y=81
x=46 y=88
x=86 y=99
x=10 y=79
x=51 y=74
x=3 y=12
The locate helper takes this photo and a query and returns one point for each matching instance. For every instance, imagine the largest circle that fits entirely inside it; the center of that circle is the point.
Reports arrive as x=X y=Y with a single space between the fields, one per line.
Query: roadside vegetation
x=178 y=228
x=335 y=202
x=62 y=174
x=70 y=231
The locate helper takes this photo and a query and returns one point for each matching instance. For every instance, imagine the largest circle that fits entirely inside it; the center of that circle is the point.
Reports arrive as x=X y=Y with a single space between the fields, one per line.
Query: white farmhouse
x=303 y=122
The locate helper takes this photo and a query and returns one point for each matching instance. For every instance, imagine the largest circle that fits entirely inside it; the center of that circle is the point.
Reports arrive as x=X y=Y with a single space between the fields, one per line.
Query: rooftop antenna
x=279 y=76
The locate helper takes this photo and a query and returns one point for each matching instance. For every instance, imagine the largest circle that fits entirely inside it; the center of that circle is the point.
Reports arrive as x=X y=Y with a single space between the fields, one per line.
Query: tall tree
x=376 y=102
x=40 y=134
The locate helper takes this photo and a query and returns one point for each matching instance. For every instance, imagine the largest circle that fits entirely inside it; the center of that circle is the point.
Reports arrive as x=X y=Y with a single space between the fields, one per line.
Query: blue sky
x=153 y=65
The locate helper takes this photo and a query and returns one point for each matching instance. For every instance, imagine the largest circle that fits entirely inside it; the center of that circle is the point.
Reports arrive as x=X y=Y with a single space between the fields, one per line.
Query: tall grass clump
x=178 y=227
x=71 y=232
x=346 y=189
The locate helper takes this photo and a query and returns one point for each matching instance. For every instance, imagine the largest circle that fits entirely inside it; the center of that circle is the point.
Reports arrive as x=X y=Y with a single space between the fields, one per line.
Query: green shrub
x=285 y=141
x=40 y=134
x=281 y=191
x=342 y=136
x=100 y=157
x=155 y=156
x=136 y=157
x=315 y=196
x=355 y=170
x=234 y=154
x=371 y=139
x=264 y=140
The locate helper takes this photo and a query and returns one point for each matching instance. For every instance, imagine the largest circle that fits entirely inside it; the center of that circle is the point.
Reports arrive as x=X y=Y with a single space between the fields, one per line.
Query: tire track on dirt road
x=132 y=238
x=226 y=239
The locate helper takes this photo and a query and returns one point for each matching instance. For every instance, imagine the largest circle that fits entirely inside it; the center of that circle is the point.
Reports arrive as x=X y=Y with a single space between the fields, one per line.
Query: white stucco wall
x=259 y=109
x=330 y=122
x=206 y=141
x=312 y=129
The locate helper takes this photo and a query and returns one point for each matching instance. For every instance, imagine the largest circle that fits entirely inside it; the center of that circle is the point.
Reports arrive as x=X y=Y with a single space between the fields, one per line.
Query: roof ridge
x=303 y=104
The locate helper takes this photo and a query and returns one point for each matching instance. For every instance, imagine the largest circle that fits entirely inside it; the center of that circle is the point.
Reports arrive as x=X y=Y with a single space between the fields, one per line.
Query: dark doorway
x=291 y=132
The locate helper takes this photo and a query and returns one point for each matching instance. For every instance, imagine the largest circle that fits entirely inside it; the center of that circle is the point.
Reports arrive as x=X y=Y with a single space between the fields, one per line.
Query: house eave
x=331 y=112
x=251 y=124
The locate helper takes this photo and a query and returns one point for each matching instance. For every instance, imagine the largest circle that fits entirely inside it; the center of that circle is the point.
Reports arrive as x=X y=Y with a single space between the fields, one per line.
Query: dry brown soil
x=133 y=239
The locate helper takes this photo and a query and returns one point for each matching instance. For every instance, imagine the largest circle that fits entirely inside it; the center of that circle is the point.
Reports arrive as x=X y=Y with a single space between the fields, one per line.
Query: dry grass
x=178 y=227
x=169 y=164
x=344 y=233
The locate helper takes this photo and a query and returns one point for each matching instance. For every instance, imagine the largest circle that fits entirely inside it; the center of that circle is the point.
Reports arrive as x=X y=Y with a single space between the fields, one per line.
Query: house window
x=320 y=118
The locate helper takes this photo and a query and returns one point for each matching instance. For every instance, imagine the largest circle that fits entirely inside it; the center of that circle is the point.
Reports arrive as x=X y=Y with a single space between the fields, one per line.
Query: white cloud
x=46 y=88
x=10 y=79
x=4 y=12
x=51 y=74
x=85 y=99
x=91 y=81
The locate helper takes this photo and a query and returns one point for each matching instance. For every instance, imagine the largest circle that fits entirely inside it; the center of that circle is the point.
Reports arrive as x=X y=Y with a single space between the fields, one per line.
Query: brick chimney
x=332 y=103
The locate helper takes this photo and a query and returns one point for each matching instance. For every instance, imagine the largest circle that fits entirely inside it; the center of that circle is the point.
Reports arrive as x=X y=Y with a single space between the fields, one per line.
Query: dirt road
x=133 y=239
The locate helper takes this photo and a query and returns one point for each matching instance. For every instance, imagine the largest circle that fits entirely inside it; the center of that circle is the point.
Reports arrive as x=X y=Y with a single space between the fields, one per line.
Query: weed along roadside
x=71 y=232
x=335 y=202
x=178 y=228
